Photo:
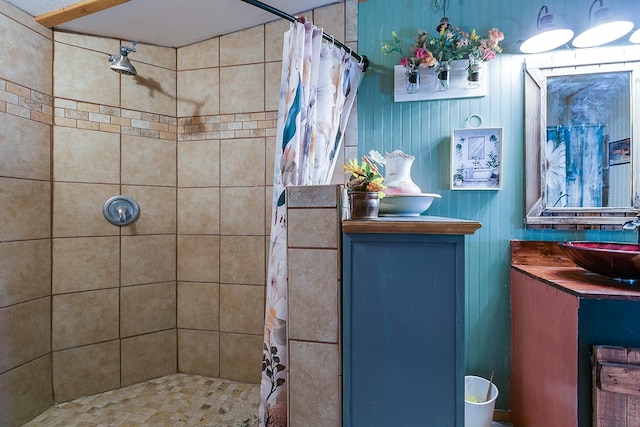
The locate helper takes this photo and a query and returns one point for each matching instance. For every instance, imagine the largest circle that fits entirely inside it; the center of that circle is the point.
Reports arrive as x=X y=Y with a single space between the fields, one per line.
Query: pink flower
x=404 y=62
x=496 y=35
x=420 y=53
x=489 y=55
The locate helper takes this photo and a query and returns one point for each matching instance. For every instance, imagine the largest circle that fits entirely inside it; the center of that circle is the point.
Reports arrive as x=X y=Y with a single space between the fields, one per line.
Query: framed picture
x=620 y=152
x=476 y=159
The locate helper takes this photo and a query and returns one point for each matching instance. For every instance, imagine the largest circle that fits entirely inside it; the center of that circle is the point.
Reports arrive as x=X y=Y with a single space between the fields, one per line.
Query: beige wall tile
x=153 y=90
x=351 y=20
x=274 y=39
x=242 y=309
x=242 y=211
x=199 y=258
x=31 y=54
x=26 y=331
x=241 y=357
x=25 y=392
x=148 y=356
x=330 y=19
x=79 y=81
x=148 y=259
x=77 y=209
x=199 y=163
x=157 y=210
x=199 y=55
x=198 y=92
x=85 y=263
x=84 y=318
x=242 y=260
x=313 y=294
x=242 y=88
x=198 y=305
x=199 y=352
x=86 y=370
x=148 y=161
x=164 y=57
x=272 y=77
x=313 y=228
x=26 y=209
x=268 y=191
x=147 y=308
x=25 y=151
x=242 y=47
x=23 y=18
x=83 y=41
x=85 y=155
x=242 y=162
x=314 y=384
x=198 y=210
x=270 y=144
x=25 y=271
x=313 y=196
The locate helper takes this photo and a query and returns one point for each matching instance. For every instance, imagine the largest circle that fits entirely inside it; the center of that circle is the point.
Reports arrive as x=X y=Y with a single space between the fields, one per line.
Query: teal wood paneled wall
x=423 y=129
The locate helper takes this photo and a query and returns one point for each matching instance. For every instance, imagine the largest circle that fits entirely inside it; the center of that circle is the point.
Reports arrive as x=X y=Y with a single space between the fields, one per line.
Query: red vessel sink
x=616 y=260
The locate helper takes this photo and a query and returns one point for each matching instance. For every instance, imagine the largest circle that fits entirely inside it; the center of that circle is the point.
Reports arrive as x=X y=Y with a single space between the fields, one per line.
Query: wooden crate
x=616 y=386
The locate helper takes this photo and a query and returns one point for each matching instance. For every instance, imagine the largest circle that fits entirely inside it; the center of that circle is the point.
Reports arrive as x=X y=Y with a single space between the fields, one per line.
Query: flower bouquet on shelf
x=364 y=187
x=418 y=57
x=481 y=50
x=448 y=44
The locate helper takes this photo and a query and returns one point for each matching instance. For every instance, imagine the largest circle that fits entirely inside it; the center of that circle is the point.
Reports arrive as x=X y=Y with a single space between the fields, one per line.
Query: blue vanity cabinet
x=403 y=323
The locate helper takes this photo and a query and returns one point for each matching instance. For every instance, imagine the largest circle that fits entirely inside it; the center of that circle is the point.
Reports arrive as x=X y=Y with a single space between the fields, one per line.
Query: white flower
x=377 y=157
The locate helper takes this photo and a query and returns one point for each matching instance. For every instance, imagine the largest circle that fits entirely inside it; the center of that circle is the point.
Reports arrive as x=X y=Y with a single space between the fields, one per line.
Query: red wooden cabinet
x=544 y=354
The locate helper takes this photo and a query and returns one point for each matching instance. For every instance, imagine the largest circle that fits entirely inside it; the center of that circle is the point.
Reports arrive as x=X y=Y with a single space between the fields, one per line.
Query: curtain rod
x=361 y=58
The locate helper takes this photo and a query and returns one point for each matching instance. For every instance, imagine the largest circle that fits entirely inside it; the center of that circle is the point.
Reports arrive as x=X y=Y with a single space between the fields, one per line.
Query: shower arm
x=360 y=58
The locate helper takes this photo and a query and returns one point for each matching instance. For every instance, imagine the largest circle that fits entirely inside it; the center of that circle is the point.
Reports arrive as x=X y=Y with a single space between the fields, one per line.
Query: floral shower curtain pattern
x=318 y=87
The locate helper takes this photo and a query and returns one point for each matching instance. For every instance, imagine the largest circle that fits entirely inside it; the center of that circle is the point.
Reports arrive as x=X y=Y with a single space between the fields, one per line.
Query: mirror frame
x=536 y=69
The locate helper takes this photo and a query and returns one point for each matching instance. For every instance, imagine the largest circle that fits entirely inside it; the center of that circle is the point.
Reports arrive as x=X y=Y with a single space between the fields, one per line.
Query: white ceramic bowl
x=406 y=204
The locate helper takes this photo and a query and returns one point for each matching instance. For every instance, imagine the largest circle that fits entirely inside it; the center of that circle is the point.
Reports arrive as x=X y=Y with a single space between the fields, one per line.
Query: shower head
x=120 y=63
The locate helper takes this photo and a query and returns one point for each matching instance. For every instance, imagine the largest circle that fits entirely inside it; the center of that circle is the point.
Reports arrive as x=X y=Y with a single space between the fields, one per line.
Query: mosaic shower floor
x=174 y=400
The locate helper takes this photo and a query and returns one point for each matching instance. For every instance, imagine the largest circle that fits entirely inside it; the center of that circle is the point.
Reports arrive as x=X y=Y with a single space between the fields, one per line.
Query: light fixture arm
x=591 y=8
x=539 y=20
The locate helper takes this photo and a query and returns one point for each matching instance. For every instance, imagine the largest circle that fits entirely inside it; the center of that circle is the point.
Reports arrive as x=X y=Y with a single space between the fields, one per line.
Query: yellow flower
x=364 y=176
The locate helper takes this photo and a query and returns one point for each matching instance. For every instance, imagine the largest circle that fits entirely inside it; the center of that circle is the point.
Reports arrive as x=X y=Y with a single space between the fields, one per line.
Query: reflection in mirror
x=580 y=139
x=585 y=115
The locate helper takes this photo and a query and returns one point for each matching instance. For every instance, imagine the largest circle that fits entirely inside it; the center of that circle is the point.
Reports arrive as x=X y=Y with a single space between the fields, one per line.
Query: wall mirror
x=582 y=147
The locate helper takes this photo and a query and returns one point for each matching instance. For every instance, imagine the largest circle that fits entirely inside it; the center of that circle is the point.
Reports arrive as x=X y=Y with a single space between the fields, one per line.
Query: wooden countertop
x=411 y=225
x=546 y=261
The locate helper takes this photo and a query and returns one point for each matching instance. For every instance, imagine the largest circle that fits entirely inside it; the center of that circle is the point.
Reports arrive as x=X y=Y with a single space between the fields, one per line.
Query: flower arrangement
x=364 y=176
x=419 y=55
x=449 y=44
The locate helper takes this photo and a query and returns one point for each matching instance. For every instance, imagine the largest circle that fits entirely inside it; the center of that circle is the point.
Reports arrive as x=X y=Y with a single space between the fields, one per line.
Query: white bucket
x=478 y=414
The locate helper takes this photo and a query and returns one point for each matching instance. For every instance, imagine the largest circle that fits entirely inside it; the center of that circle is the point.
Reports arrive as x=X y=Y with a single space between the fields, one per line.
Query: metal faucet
x=633 y=225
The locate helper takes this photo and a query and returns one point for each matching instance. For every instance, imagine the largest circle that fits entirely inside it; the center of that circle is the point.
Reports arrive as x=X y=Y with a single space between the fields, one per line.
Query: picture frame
x=476 y=159
x=620 y=152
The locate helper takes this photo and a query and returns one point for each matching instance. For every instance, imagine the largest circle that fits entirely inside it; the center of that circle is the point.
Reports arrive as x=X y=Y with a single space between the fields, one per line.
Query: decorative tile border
x=227 y=126
x=24 y=102
x=21 y=101
x=105 y=118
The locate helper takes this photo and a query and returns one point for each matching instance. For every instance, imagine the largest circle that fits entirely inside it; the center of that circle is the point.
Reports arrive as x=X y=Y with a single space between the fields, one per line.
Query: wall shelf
x=458 y=87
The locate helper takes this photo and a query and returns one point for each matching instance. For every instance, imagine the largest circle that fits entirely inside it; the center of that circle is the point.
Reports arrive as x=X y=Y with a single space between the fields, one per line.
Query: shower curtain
x=318 y=87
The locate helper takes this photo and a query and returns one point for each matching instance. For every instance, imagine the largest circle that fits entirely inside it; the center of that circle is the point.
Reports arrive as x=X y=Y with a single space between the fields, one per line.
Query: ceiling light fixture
x=602 y=29
x=548 y=36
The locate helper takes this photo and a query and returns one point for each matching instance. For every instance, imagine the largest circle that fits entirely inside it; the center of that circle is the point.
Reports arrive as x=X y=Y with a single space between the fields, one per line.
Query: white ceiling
x=170 y=23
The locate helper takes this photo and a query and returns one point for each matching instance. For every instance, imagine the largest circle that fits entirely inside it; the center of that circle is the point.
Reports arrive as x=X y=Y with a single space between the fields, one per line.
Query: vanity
x=559 y=312
x=403 y=321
